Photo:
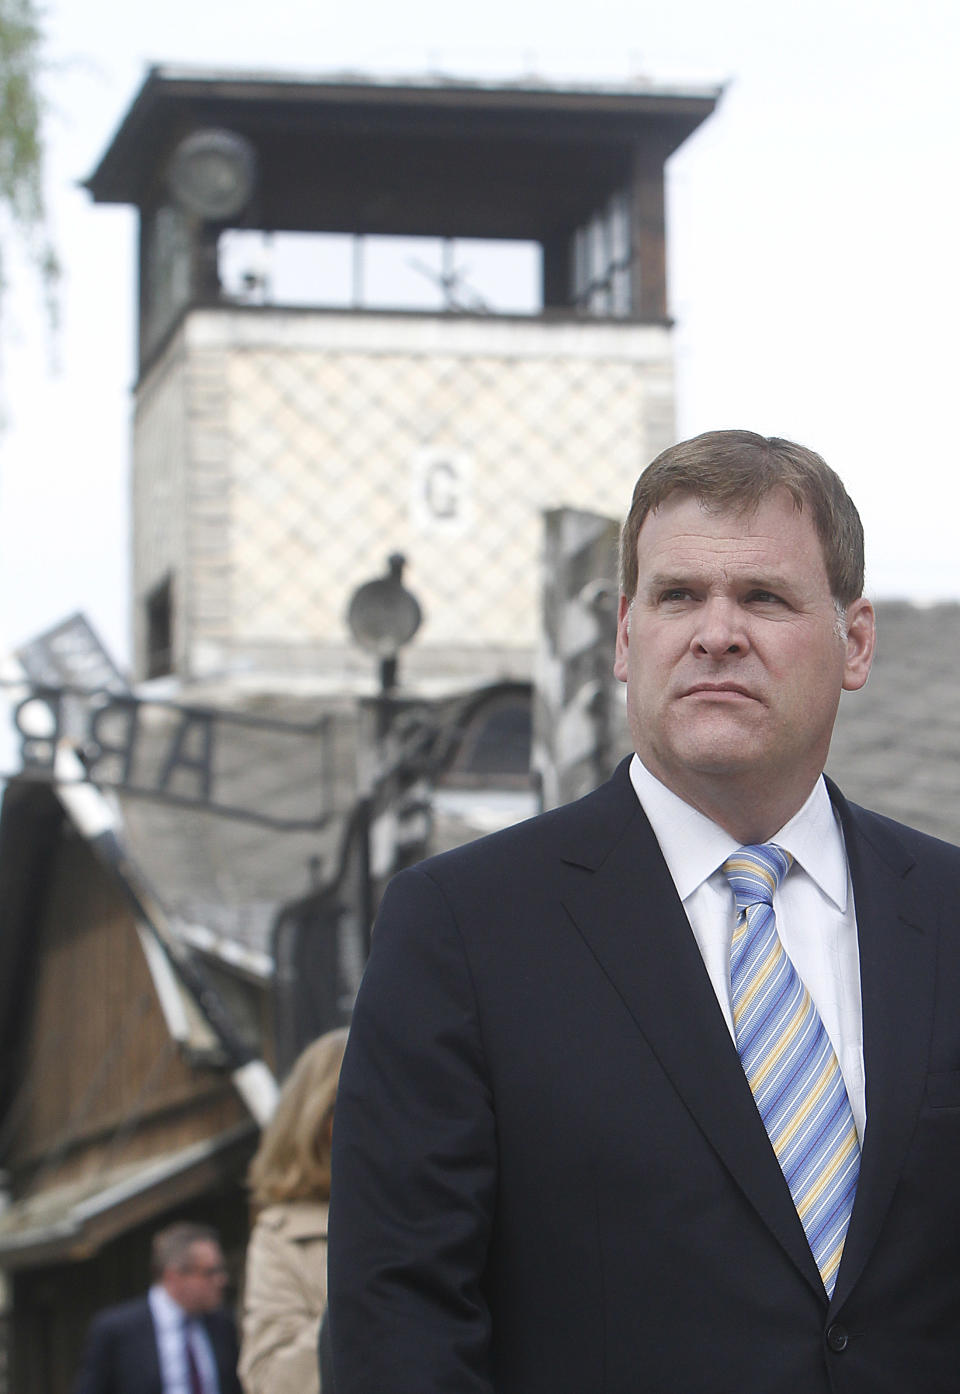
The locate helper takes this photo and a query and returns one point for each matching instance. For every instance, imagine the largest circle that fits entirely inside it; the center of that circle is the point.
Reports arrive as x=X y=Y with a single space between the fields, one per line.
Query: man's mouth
x=719 y=690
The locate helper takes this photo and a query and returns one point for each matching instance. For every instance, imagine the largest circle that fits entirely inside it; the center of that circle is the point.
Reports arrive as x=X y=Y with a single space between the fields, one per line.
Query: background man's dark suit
x=624 y=1192
x=121 y=1352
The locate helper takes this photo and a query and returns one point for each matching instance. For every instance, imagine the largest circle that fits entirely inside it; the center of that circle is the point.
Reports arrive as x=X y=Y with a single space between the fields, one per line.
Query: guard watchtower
x=297 y=418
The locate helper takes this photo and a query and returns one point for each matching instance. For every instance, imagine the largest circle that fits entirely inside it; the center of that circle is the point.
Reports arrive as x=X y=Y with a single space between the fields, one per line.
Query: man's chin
x=733 y=735
x=726 y=754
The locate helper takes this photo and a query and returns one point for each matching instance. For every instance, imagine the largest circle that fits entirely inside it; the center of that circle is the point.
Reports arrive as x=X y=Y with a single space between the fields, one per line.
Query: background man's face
x=198 y=1286
x=731 y=651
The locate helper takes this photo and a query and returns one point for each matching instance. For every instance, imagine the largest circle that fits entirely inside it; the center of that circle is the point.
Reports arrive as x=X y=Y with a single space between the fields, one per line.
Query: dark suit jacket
x=550 y=1176
x=120 y=1356
x=325 y=1355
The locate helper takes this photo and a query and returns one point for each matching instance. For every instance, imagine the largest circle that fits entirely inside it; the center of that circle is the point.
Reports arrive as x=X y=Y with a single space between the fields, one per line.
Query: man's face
x=198 y=1286
x=731 y=650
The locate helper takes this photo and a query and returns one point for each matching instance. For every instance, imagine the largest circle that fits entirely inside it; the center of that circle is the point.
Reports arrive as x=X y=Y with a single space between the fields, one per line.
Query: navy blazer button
x=837 y=1337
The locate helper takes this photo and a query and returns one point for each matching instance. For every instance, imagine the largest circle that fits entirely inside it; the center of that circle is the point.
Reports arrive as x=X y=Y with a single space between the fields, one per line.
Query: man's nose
x=720 y=629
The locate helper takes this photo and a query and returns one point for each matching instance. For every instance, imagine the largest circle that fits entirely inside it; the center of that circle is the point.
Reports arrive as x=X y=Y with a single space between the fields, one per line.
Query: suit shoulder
x=930 y=853
x=124 y=1314
x=583 y=829
x=121 y=1321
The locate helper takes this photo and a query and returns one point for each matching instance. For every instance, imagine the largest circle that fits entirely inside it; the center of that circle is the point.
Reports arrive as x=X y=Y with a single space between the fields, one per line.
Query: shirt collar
x=814 y=839
x=694 y=847
x=165 y=1308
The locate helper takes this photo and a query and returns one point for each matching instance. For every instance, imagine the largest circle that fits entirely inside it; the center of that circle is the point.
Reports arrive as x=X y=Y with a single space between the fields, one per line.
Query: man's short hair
x=736 y=470
x=171 y=1247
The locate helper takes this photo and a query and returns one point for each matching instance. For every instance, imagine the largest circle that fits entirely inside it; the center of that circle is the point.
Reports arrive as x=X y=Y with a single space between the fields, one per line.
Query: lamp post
x=382 y=616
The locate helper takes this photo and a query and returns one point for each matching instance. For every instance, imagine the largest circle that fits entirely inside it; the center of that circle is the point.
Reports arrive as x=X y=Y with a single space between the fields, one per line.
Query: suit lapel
x=152 y=1378
x=217 y=1332
x=897 y=941
x=631 y=918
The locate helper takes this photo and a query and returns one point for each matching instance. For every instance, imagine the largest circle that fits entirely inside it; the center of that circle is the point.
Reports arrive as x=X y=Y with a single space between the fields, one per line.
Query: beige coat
x=284 y=1298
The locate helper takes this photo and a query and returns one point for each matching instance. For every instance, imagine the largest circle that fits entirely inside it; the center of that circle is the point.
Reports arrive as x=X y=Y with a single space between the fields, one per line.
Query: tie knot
x=755 y=873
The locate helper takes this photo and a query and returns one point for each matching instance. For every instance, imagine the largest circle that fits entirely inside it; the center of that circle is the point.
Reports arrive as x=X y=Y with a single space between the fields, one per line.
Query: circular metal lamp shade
x=383 y=615
x=211 y=174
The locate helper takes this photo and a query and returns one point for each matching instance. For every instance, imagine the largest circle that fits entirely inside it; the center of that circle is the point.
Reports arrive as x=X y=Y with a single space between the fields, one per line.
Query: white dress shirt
x=168 y=1320
x=816 y=917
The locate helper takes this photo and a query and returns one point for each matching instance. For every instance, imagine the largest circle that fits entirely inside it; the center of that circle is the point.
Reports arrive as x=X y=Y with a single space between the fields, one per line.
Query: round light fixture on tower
x=211 y=174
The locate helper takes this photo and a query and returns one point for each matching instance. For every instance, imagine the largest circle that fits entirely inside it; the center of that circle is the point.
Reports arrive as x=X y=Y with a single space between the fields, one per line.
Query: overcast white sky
x=814 y=227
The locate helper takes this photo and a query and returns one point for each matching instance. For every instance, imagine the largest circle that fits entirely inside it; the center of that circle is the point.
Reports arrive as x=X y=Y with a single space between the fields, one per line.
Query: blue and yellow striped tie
x=789 y=1062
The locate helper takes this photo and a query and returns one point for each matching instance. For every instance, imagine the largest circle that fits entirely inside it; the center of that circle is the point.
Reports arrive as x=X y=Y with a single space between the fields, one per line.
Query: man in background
x=176 y=1339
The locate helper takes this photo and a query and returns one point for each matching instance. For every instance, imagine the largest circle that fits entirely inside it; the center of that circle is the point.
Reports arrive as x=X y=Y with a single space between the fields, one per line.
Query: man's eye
x=764 y=597
x=677 y=593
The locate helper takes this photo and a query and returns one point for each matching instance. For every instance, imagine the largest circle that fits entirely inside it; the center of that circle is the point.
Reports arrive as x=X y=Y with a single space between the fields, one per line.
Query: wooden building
x=111 y=1126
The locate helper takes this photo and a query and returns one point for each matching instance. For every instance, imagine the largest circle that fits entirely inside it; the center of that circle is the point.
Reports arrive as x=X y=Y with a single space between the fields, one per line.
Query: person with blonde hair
x=286 y=1282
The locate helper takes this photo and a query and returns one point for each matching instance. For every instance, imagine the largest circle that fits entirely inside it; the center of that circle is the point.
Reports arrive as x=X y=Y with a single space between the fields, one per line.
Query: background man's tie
x=789 y=1062
x=194 y=1377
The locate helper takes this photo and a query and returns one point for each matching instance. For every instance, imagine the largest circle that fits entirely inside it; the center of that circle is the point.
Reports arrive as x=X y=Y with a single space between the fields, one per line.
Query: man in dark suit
x=660 y=1091
x=176 y=1340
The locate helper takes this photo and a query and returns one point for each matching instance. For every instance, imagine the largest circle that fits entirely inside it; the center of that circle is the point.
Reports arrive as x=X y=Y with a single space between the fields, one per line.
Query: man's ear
x=861 y=641
x=623 y=640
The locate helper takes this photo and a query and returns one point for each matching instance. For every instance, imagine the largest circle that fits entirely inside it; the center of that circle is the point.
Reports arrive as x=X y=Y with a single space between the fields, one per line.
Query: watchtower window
x=160 y=629
x=427 y=274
